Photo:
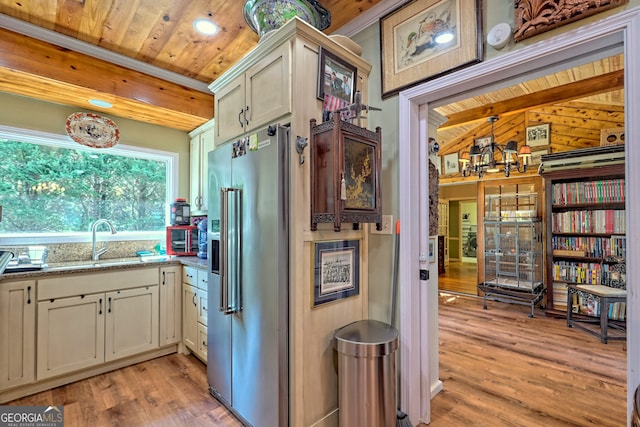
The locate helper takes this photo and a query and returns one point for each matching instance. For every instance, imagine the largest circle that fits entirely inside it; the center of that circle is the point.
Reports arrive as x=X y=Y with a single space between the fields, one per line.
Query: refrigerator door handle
x=235 y=251
x=230 y=250
x=224 y=249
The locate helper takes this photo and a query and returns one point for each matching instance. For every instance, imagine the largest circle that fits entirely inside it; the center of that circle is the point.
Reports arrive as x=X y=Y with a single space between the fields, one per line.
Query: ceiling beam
x=563 y=93
x=47 y=72
x=76 y=45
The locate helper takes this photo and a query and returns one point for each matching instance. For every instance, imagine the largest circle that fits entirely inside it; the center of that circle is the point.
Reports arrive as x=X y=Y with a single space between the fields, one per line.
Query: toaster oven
x=182 y=240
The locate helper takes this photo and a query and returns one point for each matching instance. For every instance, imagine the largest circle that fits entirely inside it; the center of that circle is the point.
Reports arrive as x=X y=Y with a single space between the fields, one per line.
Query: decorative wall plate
x=92 y=130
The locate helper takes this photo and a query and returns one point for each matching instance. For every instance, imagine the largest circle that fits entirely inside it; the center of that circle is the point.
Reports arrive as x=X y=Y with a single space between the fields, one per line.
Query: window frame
x=63 y=141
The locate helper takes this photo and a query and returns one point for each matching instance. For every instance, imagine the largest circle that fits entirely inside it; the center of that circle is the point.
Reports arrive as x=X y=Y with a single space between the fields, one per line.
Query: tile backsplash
x=67 y=252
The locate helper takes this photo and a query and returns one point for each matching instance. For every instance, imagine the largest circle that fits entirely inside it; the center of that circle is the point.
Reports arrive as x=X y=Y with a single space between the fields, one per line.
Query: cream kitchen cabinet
x=170 y=305
x=195 y=306
x=189 y=316
x=70 y=334
x=202 y=141
x=89 y=319
x=259 y=95
x=202 y=342
x=131 y=322
x=17 y=333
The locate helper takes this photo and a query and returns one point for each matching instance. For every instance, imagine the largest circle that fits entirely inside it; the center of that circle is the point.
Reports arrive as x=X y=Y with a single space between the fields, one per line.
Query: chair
x=614 y=291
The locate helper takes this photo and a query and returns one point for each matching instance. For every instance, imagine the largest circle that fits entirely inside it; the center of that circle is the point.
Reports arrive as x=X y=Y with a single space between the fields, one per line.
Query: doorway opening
x=460 y=228
x=610 y=35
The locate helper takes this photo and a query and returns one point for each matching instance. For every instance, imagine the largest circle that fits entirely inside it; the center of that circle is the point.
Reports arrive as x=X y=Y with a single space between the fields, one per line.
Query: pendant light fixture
x=494 y=157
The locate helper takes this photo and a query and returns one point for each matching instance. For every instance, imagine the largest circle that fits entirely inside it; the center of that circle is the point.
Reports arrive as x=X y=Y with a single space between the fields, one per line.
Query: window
x=53 y=188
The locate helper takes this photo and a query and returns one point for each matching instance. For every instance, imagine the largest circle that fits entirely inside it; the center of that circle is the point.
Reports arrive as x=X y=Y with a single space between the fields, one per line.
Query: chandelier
x=491 y=157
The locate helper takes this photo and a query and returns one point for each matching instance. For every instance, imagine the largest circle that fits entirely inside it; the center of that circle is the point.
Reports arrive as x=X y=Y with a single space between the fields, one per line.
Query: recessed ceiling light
x=205 y=26
x=100 y=103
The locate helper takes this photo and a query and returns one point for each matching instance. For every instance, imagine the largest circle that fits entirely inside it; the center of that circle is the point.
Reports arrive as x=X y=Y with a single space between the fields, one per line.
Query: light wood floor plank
x=498 y=366
x=501 y=368
x=164 y=392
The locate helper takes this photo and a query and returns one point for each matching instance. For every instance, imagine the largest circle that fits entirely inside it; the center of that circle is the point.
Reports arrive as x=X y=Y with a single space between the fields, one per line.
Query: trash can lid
x=366 y=338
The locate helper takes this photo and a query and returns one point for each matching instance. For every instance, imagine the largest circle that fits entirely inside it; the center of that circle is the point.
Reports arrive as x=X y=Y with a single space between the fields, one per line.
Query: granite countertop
x=75 y=267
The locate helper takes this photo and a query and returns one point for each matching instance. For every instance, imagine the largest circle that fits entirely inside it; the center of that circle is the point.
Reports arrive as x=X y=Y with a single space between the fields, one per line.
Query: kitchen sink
x=112 y=262
x=153 y=258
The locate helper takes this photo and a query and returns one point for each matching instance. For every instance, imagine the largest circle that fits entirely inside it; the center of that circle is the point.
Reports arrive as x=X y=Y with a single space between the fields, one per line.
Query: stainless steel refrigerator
x=248 y=323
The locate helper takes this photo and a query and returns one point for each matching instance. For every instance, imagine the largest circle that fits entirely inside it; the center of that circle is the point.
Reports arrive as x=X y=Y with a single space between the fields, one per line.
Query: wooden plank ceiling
x=160 y=33
x=155 y=32
x=577 y=103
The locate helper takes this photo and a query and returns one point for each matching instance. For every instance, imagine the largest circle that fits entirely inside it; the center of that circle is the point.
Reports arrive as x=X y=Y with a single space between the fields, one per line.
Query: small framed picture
x=335 y=77
x=336 y=270
x=537 y=135
x=451 y=163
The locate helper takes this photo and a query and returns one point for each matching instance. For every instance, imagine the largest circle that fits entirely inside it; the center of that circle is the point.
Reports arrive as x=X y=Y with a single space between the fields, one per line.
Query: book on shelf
x=577 y=272
x=589 y=305
x=601 y=221
x=602 y=191
x=588 y=246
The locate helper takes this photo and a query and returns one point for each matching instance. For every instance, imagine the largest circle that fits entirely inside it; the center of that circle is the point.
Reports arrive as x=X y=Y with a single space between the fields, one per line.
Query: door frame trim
x=620 y=31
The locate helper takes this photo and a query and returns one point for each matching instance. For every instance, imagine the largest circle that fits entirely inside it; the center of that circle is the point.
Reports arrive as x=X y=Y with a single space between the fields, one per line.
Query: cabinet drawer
x=190 y=275
x=85 y=284
x=203 y=280
x=203 y=306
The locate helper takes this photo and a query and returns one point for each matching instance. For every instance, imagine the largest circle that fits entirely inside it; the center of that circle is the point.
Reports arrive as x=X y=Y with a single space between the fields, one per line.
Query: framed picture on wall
x=336 y=270
x=336 y=77
x=538 y=135
x=424 y=39
x=451 y=164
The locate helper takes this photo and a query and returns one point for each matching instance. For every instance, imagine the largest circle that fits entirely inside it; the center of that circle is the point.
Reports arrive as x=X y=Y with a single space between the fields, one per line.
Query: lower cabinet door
x=190 y=317
x=131 y=323
x=17 y=333
x=70 y=334
x=170 y=305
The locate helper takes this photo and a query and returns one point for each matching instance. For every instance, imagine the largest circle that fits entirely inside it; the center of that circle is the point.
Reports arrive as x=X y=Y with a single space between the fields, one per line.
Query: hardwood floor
x=499 y=368
x=167 y=391
x=461 y=277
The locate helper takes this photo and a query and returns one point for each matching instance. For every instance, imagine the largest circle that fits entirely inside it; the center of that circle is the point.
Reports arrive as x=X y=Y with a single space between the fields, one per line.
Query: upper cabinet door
x=268 y=88
x=230 y=111
x=255 y=98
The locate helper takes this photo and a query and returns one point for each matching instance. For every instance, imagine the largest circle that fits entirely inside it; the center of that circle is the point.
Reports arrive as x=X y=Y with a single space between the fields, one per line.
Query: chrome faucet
x=95 y=253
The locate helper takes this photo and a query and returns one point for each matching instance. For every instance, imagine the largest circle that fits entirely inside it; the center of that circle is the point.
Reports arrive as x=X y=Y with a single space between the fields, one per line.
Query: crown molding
x=76 y=45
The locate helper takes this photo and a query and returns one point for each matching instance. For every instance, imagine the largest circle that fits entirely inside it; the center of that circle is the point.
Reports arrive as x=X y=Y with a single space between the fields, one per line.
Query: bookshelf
x=586 y=236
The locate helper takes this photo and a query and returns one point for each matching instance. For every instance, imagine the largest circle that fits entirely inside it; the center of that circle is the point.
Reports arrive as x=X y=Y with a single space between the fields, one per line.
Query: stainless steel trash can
x=367 y=374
